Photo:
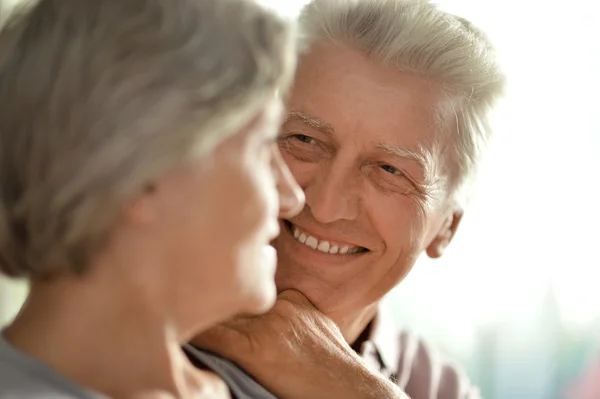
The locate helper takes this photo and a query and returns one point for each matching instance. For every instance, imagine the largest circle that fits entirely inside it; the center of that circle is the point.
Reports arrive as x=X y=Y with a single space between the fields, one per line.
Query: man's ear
x=439 y=244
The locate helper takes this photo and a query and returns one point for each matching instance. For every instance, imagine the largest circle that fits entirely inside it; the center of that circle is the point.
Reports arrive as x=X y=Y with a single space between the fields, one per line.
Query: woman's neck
x=106 y=340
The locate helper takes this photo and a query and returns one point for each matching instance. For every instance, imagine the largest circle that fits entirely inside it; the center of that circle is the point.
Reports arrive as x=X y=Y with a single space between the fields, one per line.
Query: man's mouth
x=325 y=246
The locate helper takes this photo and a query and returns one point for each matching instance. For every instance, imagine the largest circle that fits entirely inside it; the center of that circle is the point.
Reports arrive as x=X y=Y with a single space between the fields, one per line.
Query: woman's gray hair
x=101 y=97
x=415 y=36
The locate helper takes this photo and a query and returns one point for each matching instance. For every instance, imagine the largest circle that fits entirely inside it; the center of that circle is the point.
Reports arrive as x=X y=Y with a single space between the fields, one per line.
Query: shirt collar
x=384 y=340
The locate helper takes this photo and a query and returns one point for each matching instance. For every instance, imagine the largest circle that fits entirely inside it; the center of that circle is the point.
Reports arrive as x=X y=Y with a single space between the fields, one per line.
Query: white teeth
x=323 y=246
x=312 y=242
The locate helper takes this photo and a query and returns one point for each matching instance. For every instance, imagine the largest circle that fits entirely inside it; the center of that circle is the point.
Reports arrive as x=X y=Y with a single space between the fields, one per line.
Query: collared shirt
x=406 y=360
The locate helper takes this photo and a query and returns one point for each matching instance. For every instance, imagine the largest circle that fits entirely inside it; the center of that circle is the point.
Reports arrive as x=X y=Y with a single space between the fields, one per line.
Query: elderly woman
x=140 y=186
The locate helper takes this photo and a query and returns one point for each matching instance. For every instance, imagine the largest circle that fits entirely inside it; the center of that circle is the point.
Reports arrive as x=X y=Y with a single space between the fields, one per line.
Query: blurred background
x=516 y=300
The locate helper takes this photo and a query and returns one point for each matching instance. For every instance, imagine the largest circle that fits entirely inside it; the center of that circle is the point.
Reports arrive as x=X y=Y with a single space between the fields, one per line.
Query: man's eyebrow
x=405 y=153
x=309 y=120
x=425 y=161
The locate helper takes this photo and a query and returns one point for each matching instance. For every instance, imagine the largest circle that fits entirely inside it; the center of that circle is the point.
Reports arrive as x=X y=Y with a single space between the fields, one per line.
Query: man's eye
x=303 y=138
x=303 y=147
x=390 y=169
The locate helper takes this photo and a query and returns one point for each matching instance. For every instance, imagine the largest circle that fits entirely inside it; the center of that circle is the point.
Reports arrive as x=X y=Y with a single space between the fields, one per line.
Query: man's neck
x=354 y=324
x=105 y=341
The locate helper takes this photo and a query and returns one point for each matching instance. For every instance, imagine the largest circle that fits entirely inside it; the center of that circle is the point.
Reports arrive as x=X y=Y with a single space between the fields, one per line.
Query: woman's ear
x=441 y=241
x=141 y=208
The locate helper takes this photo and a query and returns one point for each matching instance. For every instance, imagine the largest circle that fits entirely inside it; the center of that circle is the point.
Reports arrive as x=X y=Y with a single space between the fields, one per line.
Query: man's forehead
x=343 y=79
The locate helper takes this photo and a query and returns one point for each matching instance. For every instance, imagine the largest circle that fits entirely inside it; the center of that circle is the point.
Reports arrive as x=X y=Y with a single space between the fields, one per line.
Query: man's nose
x=333 y=194
x=291 y=196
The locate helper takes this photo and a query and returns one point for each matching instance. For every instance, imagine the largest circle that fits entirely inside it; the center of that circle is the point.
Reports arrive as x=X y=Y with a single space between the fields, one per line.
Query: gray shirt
x=22 y=376
x=241 y=384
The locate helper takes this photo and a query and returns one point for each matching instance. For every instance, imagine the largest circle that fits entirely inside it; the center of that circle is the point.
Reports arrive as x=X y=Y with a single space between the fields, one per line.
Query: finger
x=296 y=297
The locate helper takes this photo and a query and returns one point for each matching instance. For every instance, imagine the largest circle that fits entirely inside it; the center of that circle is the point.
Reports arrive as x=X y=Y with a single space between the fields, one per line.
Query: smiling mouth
x=328 y=247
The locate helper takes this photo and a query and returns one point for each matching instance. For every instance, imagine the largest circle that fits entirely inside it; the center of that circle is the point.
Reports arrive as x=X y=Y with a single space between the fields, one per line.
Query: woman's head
x=134 y=133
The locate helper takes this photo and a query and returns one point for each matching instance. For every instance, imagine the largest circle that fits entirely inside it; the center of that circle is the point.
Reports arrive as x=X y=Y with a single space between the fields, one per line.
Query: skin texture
x=189 y=251
x=365 y=143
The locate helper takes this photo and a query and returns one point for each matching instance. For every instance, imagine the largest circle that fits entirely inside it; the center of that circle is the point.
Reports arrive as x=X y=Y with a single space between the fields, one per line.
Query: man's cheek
x=304 y=173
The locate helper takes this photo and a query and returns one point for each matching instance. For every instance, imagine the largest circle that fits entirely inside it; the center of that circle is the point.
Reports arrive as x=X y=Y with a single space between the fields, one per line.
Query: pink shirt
x=405 y=359
x=588 y=385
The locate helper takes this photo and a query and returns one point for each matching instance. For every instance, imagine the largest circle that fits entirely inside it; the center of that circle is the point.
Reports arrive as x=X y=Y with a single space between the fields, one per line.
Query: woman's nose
x=291 y=196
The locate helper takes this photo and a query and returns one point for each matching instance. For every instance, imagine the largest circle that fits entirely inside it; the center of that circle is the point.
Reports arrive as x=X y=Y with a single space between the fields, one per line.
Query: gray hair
x=415 y=36
x=101 y=97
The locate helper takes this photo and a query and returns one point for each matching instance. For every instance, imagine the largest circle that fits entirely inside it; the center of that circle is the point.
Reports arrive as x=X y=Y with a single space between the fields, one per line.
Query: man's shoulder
x=240 y=383
x=416 y=366
x=425 y=371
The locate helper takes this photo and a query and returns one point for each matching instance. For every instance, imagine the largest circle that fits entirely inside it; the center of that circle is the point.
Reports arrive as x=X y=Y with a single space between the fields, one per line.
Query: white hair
x=416 y=36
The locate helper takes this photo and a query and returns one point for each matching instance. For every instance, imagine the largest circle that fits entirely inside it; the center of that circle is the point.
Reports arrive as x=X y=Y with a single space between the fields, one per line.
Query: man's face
x=361 y=141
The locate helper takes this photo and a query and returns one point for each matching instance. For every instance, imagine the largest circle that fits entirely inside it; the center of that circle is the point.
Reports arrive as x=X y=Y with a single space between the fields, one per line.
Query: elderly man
x=386 y=123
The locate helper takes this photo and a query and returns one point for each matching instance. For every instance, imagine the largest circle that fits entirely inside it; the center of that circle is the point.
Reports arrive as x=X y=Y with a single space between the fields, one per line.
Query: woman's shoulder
x=22 y=376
